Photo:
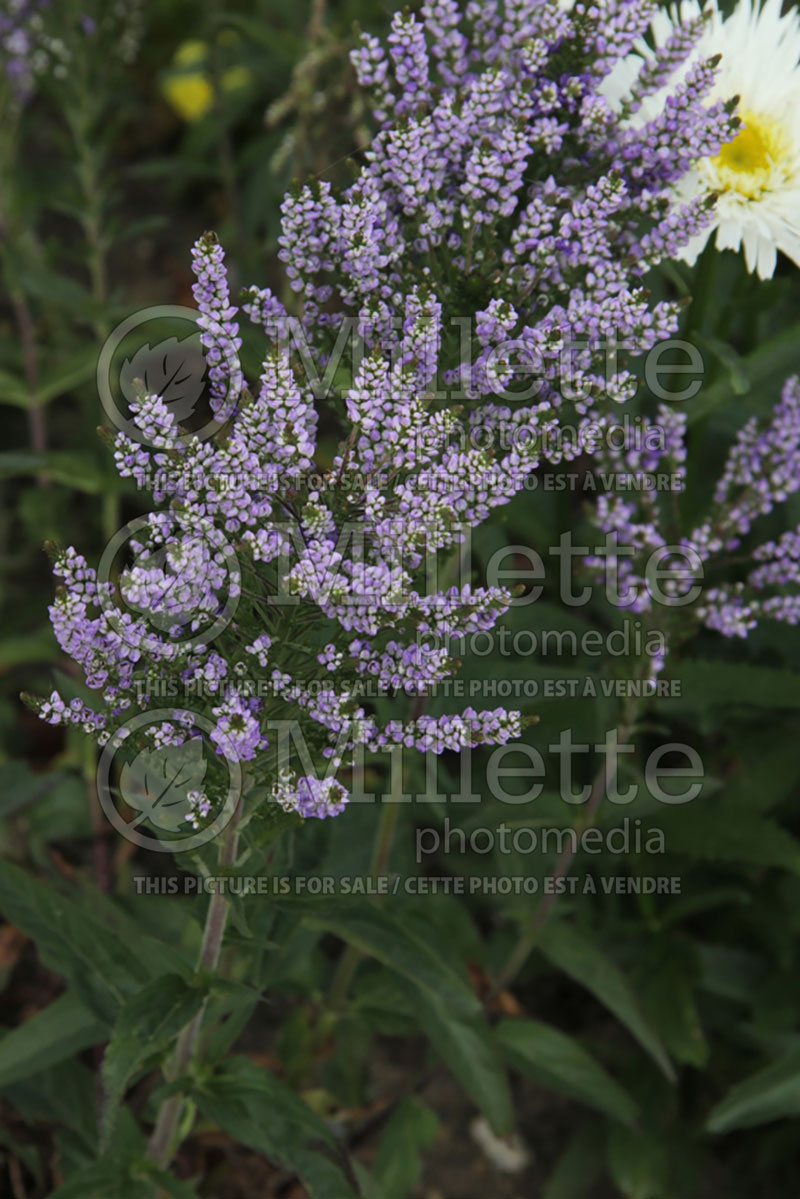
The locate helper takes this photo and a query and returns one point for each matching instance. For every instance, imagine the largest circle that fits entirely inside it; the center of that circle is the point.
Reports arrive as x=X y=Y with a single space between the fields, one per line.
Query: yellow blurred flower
x=190 y=95
x=190 y=53
x=190 y=91
x=235 y=77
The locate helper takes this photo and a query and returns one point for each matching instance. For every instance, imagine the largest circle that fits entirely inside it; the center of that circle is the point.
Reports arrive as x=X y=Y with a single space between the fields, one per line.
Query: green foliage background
x=670 y=1025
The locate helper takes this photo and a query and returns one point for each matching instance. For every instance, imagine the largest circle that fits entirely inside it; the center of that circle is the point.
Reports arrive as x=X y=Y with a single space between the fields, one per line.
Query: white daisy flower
x=757 y=175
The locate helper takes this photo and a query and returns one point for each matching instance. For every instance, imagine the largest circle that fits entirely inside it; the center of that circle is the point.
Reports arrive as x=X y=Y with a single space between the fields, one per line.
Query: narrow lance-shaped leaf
x=557 y=1061
x=147 y=1025
x=770 y=1094
x=258 y=1110
x=592 y=968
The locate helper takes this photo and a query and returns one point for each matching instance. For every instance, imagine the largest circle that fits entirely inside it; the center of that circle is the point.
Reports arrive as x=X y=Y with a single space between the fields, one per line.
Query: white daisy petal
x=767 y=258
x=757 y=175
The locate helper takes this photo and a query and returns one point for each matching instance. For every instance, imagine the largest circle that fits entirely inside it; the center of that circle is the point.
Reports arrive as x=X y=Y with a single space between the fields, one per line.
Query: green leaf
x=368 y=1185
x=40 y=646
x=147 y=1025
x=588 y=965
x=466 y=1045
x=636 y=1163
x=733 y=362
x=57 y=289
x=714 y=830
x=63 y=1095
x=562 y=1064
x=578 y=1167
x=770 y=1094
x=64 y=377
x=668 y=973
x=18 y=462
x=67 y=375
x=19 y=785
x=106 y=1179
x=258 y=1110
x=745 y=780
x=708 y=683
x=112 y=1178
x=81 y=471
x=13 y=390
x=72 y=469
x=731 y=973
x=378 y=935
x=775 y=359
x=398 y=1165
x=63 y=1028
x=102 y=969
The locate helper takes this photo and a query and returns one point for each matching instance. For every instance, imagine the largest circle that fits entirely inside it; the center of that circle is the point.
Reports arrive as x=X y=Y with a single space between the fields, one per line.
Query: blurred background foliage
x=653 y=1041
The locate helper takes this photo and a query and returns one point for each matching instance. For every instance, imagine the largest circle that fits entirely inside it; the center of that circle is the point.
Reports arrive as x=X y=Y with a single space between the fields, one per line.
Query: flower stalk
x=164 y=1138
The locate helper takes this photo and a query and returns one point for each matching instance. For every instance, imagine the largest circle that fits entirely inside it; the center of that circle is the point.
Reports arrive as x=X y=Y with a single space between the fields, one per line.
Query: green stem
x=229 y=174
x=26 y=328
x=164 y=1139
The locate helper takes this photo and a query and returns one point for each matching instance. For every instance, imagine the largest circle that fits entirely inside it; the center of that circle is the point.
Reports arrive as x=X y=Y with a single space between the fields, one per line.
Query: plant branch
x=162 y=1144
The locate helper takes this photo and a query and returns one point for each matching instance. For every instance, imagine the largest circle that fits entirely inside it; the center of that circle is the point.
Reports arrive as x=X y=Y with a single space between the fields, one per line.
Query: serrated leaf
x=63 y=1028
x=715 y=831
x=588 y=965
x=560 y=1063
x=148 y=1024
x=102 y=969
x=258 y=1110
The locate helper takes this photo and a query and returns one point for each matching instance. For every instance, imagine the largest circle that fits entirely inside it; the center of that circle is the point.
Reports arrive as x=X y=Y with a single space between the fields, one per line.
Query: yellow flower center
x=747 y=152
x=747 y=164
